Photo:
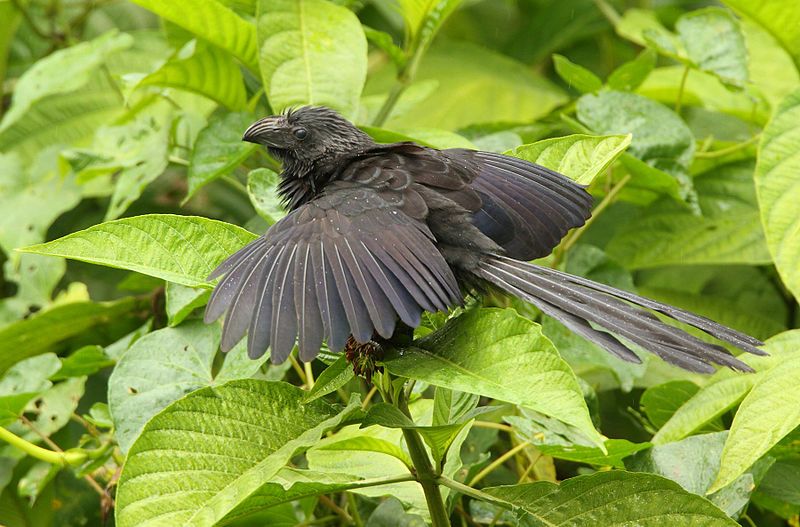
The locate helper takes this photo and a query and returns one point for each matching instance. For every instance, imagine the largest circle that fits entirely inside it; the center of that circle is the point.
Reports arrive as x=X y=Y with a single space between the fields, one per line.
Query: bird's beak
x=265 y=131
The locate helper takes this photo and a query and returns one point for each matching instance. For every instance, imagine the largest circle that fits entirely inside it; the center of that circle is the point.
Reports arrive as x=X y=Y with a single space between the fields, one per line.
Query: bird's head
x=308 y=135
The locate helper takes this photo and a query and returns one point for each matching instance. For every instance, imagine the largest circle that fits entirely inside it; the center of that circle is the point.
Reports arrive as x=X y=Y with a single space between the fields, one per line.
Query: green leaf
x=768 y=413
x=334 y=377
x=659 y=403
x=390 y=513
x=180 y=249
x=576 y=76
x=498 y=354
x=476 y=85
x=364 y=443
x=203 y=69
x=137 y=152
x=708 y=404
x=777 y=190
x=714 y=43
x=177 y=361
x=658 y=132
x=12 y=17
x=667 y=234
x=256 y=427
x=779 y=491
x=311 y=52
x=670 y=461
x=632 y=74
x=385 y=42
x=611 y=499
x=451 y=407
x=64 y=71
x=45 y=330
x=82 y=362
x=554 y=439
x=182 y=300
x=580 y=157
x=32 y=198
x=64 y=118
x=424 y=18
x=438 y=437
x=24 y=381
x=219 y=149
x=214 y=22
x=262 y=187
x=780 y=17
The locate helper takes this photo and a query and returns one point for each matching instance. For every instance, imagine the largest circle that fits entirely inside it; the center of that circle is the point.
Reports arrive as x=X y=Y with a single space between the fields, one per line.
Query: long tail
x=576 y=301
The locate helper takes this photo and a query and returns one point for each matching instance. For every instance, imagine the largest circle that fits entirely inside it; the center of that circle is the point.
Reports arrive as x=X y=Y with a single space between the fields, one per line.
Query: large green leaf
x=311 y=52
x=205 y=454
x=63 y=71
x=497 y=353
x=177 y=361
x=660 y=402
x=658 y=132
x=780 y=17
x=45 y=330
x=212 y=21
x=181 y=249
x=476 y=86
x=778 y=189
x=580 y=157
x=714 y=42
x=767 y=414
x=704 y=450
x=611 y=499
x=666 y=233
x=203 y=69
x=32 y=198
x=219 y=149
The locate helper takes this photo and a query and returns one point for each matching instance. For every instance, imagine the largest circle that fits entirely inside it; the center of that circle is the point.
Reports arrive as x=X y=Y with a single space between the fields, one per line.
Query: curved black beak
x=265 y=131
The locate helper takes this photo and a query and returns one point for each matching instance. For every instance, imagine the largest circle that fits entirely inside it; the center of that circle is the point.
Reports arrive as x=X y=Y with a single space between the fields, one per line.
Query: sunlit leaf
x=781 y=18
x=188 y=248
x=632 y=74
x=580 y=157
x=172 y=474
x=262 y=188
x=311 y=52
x=612 y=499
x=177 y=361
x=777 y=189
x=212 y=21
x=576 y=76
x=497 y=344
x=203 y=69
x=182 y=300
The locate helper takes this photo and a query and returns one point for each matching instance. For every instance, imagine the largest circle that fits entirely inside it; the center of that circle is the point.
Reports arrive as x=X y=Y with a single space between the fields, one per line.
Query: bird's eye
x=300 y=133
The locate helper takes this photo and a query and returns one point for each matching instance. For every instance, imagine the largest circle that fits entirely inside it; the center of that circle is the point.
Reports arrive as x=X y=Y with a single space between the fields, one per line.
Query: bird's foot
x=364 y=357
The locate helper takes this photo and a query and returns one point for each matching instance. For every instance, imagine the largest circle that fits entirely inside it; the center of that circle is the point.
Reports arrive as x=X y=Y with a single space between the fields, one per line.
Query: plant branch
x=425 y=474
x=727 y=150
x=404 y=78
x=679 y=97
x=608 y=11
x=497 y=462
x=573 y=237
x=63 y=459
x=473 y=493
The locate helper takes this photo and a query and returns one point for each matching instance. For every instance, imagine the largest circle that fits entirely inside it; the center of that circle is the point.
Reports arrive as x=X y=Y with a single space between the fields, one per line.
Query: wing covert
x=352 y=261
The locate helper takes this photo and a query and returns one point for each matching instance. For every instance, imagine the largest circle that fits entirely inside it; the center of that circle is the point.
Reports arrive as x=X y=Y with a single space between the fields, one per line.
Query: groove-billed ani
x=378 y=233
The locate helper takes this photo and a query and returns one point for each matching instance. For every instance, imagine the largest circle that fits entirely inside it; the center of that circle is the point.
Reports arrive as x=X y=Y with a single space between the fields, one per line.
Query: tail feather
x=576 y=301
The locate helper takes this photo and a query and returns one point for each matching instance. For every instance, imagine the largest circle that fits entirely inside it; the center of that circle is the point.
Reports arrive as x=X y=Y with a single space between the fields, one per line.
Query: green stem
x=404 y=78
x=575 y=235
x=679 y=97
x=473 y=493
x=63 y=459
x=351 y=500
x=424 y=469
x=497 y=462
x=728 y=150
x=609 y=12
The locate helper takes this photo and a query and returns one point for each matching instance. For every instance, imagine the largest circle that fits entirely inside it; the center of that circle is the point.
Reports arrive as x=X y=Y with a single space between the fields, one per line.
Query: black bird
x=378 y=233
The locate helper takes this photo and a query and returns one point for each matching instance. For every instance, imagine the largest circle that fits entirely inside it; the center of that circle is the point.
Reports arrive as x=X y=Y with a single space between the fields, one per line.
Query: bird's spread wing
x=526 y=208
x=352 y=261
